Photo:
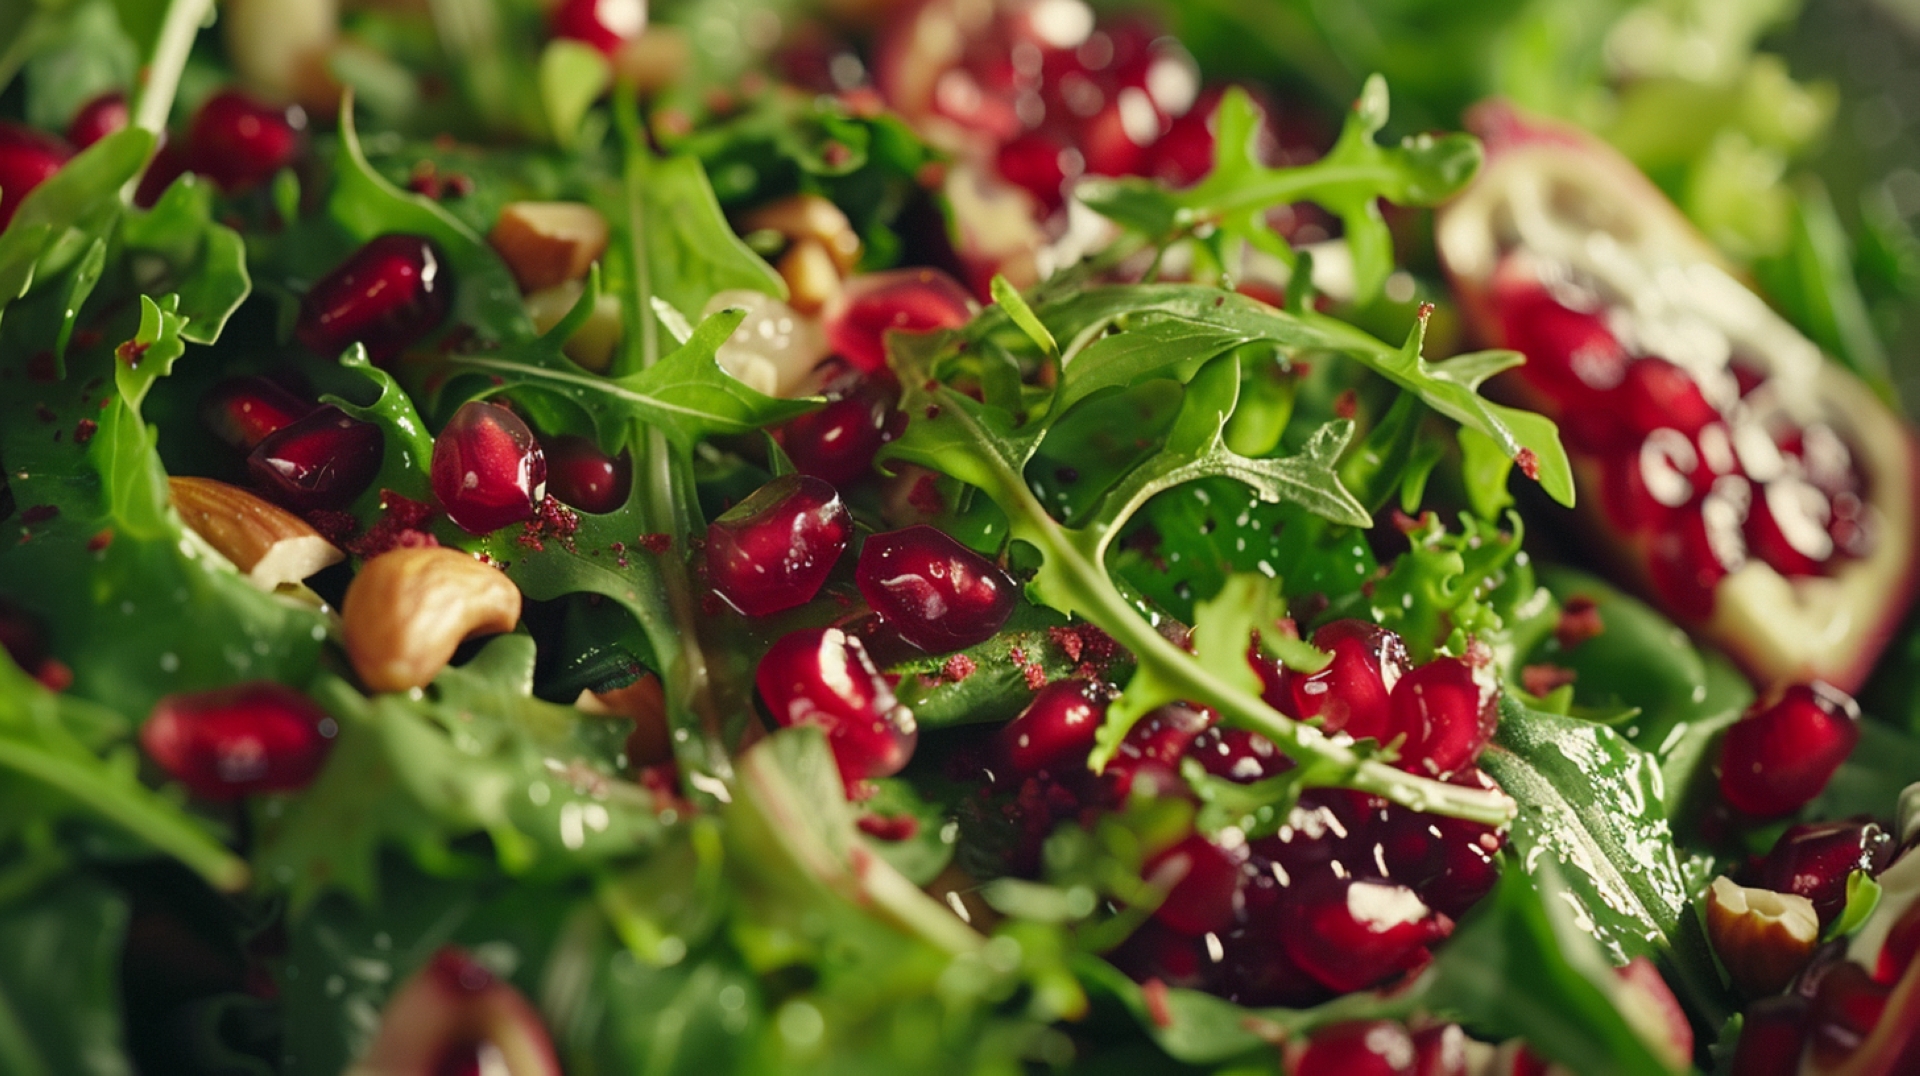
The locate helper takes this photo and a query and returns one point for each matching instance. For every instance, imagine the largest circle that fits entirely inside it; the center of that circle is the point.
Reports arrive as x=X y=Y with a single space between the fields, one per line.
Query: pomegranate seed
x=1571 y=354
x=104 y=115
x=772 y=551
x=1352 y=934
x=1370 y=1048
x=1446 y=710
x=236 y=741
x=1901 y=946
x=1789 y=527
x=1772 y=1037
x=1449 y=862
x=837 y=443
x=1350 y=695
x=1148 y=759
x=823 y=677
x=488 y=470
x=27 y=158
x=900 y=300
x=169 y=163
x=22 y=636
x=1054 y=734
x=324 y=460
x=388 y=295
x=938 y=594
x=1320 y=840
x=1776 y=760
x=605 y=24
x=1847 y=1003
x=1184 y=155
x=1684 y=566
x=581 y=475
x=244 y=411
x=1255 y=969
x=1202 y=880
x=1440 y=1050
x=1655 y=393
x=1155 y=951
x=240 y=143
x=1040 y=164
x=1238 y=755
x=1814 y=859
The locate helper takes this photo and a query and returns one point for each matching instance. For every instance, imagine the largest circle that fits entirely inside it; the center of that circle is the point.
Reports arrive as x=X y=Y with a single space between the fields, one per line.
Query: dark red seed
x=1656 y=394
x=236 y=741
x=823 y=677
x=324 y=460
x=837 y=443
x=583 y=477
x=1350 y=695
x=772 y=551
x=1901 y=946
x=169 y=163
x=27 y=158
x=1451 y=863
x=1776 y=759
x=23 y=637
x=1322 y=839
x=604 y=24
x=1149 y=756
x=1156 y=951
x=98 y=118
x=1790 y=527
x=1447 y=710
x=1238 y=755
x=1352 y=934
x=1685 y=566
x=938 y=594
x=389 y=295
x=1202 y=881
x=1255 y=968
x=1055 y=733
x=1814 y=859
x=1040 y=164
x=488 y=470
x=239 y=142
x=1847 y=1003
x=1772 y=1037
x=1370 y=1048
x=1440 y=1050
x=244 y=411
x=469 y=1058
x=900 y=300
x=1571 y=354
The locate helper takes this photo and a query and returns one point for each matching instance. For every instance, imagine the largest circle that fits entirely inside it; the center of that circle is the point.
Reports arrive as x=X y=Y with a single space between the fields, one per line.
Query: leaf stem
x=183 y=22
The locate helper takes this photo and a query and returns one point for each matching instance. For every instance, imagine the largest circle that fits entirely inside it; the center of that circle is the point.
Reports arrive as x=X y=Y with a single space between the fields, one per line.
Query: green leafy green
x=59 y=981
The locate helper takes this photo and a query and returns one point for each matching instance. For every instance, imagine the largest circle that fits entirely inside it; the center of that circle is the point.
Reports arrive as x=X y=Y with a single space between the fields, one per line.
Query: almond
x=811 y=276
x=269 y=544
x=409 y=608
x=645 y=703
x=548 y=243
x=1763 y=938
x=808 y=216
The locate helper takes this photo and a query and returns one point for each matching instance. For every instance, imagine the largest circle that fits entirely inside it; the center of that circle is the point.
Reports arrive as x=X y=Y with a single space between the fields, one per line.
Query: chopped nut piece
x=812 y=280
x=548 y=243
x=1762 y=937
x=269 y=544
x=410 y=607
x=809 y=216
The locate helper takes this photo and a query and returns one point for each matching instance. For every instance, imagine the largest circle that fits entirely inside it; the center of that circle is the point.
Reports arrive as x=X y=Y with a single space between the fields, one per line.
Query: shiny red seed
x=1202 y=880
x=1847 y=1004
x=236 y=741
x=1902 y=945
x=1447 y=710
x=900 y=300
x=1773 y=1035
x=938 y=594
x=1790 y=527
x=27 y=158
x=1350 y=694
x=1238 y=755
x=1776 y=759
x=583 y=477
x=1370 y=1048
x=1055 y=733
x=604 y=24
x=388 y=295
x=1440 y=1050
x=1655 y=393
x=239 y=142
x=244 y=411
x=488 y=470
x=1040 y=164
x=837 y=443
x=1571 y=354
x=1451 y=863
x=1148 y=759
x=823 y=677
x=1352 y=934
x=1814 y=859
x=98 y=118
x=1685 y=566
x=324 y=460
x=1322 y=839
x=169 y=163
x=772 y=551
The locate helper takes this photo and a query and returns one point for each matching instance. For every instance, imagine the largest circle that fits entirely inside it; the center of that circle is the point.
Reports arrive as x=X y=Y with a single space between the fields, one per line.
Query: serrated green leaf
x=406 y=447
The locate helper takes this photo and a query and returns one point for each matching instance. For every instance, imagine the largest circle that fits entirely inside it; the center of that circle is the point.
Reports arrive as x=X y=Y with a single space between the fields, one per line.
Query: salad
x=955 y=536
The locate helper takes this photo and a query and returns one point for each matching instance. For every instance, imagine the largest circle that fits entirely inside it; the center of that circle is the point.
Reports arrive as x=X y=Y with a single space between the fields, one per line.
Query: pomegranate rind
x=1548 y=186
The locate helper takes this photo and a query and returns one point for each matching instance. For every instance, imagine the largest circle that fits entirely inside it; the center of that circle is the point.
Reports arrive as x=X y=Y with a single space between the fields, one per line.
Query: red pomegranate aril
x=1202 y=880
x=1571 y=354
x=236 y=741
x=1847 y=1003
x=488 y=470
x=1655 y=393
x=244 y=411
x=1040 y=164
x=1255 y=969
x=1684 y=566
x=1055 y=733
x=1447 y=710
x=1184 y=155
x=938 y=594
x=1319 y=841
x=900 y=300
x=1352 y=934
x=1156 y=951
x=27 y=158
x=1440 y=1050
x=1777 y=759
x=1238 y=755
x=1370 y=1048
x=583 y=477
x=1350 y=695
x=772 y=551
x=823 y=677
x=837 y=443
x=388 y=295
x=239 y=142
x=1789 y=527
x=605 y=24
x=1772 y=1037
x=1902 y=945
x=1814 y=859
x=104 y=115
x=169 y=163
x=324 y=460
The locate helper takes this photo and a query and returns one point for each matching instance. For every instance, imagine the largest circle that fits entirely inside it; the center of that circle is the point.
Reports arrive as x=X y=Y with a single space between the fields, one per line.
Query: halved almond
x=269 y=544
x=1762 y=937
x=548 y=243
x=809 y=216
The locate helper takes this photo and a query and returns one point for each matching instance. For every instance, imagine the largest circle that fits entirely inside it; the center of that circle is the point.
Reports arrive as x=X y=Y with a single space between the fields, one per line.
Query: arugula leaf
x=80 y=54
x=178 y=248
x=83 y=194
x=59 y=981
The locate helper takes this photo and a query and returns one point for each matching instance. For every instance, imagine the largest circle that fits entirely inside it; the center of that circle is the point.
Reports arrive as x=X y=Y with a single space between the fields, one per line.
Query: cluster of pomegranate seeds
x=605 y=24
x=583 y=477
x=244 y=411
x=936 y=593
x=320 y=462
x=900 y=300
x=1779 y=756
x=837 y=443
x=1696 y=453
x=823 y=677
x=27 y=158
x=388 y=295
x=236 y=741
x=488 y=470
x=772 y=551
